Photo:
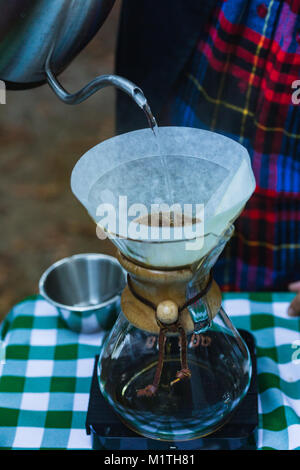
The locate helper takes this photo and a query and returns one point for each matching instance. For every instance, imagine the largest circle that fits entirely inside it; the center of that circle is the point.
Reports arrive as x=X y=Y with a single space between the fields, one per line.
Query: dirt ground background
x=40 y=141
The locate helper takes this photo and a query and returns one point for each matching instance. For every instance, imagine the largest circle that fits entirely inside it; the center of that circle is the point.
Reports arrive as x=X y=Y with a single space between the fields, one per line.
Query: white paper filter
x=199 y=167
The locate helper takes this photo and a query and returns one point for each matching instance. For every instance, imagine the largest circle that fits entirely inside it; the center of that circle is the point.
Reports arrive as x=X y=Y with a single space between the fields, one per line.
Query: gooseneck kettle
x=39 y=39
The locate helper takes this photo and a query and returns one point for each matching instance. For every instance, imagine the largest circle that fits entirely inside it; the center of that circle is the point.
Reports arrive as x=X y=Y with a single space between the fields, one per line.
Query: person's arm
x=294 y=308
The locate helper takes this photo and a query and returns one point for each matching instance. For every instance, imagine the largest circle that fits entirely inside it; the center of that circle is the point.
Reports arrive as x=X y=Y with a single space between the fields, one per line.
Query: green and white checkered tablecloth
x=45 y=380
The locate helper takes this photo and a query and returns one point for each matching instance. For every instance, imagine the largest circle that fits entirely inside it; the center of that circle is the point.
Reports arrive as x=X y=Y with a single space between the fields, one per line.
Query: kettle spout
x=97 y=84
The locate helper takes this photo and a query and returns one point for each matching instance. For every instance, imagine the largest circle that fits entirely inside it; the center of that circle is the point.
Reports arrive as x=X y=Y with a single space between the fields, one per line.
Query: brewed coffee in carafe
x=174 y=367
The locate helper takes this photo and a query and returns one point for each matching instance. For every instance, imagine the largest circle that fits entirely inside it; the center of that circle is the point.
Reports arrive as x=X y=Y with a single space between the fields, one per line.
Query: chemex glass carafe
x=174 y=367
x=216 y=358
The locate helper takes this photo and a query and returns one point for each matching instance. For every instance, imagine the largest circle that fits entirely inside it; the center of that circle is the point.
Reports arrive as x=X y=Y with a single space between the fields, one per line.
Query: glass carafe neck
x=152 y=286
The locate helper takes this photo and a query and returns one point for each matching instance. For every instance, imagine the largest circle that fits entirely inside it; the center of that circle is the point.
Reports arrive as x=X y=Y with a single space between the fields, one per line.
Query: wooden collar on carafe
x=160 y=285
x=155 y=301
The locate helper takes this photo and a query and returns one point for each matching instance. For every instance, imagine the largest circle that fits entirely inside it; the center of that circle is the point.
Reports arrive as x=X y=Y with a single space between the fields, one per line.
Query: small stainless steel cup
x=86 y=289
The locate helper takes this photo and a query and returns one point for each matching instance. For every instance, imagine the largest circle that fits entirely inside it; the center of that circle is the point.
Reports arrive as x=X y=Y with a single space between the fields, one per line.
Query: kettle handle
x=97 y=84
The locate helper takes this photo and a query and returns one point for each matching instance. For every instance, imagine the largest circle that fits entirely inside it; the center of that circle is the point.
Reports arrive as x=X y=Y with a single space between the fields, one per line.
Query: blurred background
x=40 y=141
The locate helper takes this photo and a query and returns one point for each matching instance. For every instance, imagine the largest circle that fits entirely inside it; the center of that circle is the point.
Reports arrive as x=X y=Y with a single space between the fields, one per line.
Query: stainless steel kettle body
x=39 y=38
x=30 y=30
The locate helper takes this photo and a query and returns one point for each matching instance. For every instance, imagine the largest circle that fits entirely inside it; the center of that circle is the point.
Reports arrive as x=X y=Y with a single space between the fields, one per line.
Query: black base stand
x=109 y=433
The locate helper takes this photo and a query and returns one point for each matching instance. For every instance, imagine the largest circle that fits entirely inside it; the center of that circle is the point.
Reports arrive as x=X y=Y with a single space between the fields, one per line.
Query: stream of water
x=162 y=158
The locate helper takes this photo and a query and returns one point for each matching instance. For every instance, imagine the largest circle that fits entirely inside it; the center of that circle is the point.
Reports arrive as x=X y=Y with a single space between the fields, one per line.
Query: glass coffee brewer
x=173 y=367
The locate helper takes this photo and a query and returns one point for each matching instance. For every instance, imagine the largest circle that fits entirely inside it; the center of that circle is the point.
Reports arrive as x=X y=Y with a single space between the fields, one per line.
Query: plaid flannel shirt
x=239 y=82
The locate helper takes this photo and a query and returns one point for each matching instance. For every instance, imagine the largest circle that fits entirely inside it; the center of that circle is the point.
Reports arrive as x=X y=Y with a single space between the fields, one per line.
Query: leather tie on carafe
x=174 y=327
